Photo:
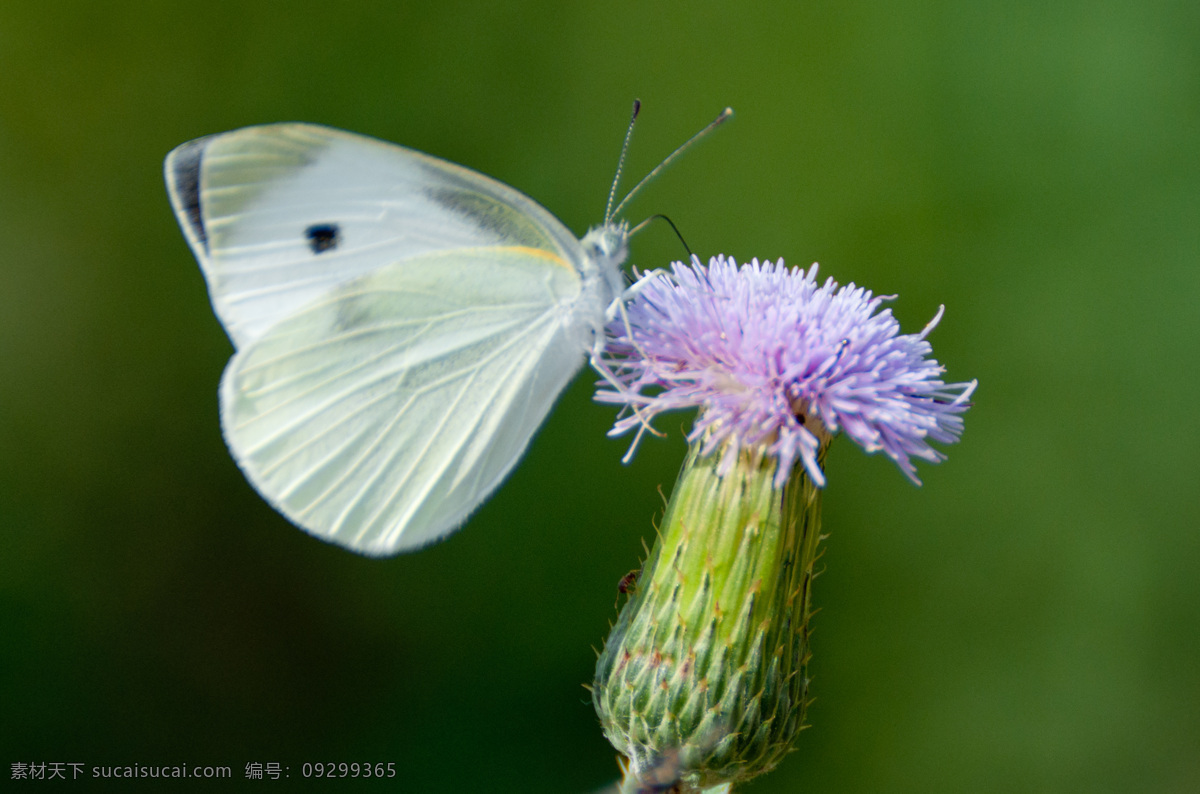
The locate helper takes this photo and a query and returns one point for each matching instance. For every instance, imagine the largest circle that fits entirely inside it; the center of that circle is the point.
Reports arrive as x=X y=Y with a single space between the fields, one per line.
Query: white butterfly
x=403 y=324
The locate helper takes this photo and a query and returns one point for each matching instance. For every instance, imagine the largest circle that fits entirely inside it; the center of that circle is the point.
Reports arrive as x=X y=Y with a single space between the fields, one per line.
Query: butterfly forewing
x=381 y=414
x=280 y=214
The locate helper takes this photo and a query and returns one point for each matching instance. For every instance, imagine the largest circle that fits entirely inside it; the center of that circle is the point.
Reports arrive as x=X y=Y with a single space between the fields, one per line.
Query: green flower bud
x=702 y=681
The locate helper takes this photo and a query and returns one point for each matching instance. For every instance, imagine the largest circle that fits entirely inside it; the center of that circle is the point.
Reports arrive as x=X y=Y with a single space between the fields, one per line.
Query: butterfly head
x=607 y=248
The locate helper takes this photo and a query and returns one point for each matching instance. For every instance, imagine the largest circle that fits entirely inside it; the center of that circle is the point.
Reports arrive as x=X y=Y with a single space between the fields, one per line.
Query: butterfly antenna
x=724 y=116
x=670 y=223
x=612 y=194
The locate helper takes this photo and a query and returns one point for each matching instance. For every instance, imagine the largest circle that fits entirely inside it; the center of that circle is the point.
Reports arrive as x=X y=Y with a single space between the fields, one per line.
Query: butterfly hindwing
x=380 y=415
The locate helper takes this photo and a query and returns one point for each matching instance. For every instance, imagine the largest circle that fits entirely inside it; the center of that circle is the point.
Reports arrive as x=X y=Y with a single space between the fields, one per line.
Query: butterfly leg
x=606 y=372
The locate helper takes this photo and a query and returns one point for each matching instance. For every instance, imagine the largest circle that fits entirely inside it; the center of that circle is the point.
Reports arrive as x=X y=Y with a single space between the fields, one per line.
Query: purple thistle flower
x=777 y=361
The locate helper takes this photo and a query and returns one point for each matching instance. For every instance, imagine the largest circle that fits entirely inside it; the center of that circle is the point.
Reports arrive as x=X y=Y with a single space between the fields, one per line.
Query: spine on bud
x=702 y=681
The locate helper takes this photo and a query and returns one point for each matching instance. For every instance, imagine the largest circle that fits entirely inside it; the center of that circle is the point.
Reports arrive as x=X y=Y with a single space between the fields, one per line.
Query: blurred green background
x=1029 y=620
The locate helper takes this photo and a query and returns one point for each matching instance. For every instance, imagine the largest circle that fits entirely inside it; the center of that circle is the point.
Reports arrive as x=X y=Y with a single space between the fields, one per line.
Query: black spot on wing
x=185 y=171
x=323 y=237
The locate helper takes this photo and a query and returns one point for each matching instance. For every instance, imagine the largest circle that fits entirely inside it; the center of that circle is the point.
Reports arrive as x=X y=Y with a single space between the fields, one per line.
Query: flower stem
x=703 y=679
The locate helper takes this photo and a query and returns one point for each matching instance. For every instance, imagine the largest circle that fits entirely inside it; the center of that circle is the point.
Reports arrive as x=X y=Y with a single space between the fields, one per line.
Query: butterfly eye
x=322 y=237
